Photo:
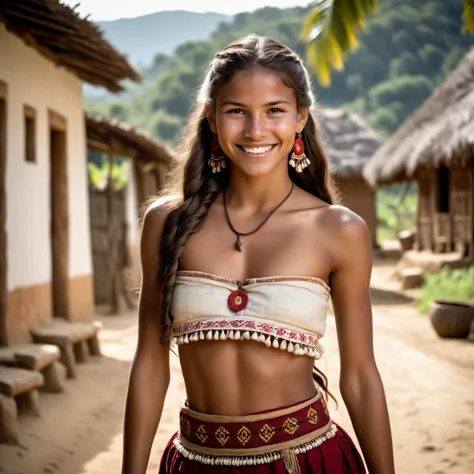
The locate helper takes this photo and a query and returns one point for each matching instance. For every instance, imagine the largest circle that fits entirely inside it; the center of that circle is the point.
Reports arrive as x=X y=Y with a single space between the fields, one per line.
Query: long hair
x=192 y=179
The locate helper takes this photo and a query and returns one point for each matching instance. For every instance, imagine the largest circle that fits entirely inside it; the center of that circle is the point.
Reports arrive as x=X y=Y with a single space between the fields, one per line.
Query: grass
x=447 y=284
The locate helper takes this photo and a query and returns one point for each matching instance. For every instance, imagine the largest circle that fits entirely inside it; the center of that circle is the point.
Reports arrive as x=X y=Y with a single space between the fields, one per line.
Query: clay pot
x=451 y=319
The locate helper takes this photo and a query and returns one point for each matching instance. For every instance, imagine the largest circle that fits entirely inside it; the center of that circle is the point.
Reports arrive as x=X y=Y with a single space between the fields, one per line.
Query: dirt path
x=430 y=396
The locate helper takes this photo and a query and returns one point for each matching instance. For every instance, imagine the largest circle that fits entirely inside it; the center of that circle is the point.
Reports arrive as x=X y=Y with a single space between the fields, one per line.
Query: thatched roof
x=438 y=132
x=349 y=141
x=58 y=33
x=117 y=138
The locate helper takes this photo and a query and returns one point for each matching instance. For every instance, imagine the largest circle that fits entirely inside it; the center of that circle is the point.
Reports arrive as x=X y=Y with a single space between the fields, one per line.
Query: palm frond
x=330 y=31
x=468 y=16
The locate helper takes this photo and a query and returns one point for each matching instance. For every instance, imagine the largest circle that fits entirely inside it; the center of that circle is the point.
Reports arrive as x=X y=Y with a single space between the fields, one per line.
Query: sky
x=101 y=10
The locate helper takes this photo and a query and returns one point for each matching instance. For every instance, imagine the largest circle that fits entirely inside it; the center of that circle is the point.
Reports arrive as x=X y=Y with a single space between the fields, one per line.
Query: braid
x=200 y=189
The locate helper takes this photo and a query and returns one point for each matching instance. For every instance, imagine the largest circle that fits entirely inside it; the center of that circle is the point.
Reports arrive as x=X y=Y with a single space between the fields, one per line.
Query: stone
x=28 y=403
x=94 y=346
x=15 y=381
x=54 y=378
x=35 y=356
x=470 y=336
x=80 y=351
x=7 y=356
x=8 y=420
x=412 y=278
x=67 y=358
x=72 y=338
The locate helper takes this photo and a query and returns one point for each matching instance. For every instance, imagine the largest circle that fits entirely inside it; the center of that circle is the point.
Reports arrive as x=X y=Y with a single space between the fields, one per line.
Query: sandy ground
x=428 y=382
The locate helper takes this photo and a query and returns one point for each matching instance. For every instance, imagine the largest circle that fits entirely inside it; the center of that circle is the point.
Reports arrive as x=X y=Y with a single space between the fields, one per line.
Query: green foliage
x=165 y=125
x=407 y=48
x=99 y=175
x=396 y=210
x=332 y=26
x=447 y=284
x=331 y=29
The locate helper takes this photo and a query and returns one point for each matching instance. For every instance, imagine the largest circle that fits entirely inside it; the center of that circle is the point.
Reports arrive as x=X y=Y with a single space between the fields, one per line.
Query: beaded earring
x=298 y=159
x=217 y=160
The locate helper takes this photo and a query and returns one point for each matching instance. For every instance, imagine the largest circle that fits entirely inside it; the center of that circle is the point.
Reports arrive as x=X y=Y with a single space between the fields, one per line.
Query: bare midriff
x=243 y=377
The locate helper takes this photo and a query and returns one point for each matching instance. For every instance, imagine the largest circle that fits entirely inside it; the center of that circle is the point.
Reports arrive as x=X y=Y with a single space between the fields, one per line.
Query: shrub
x=447 y=284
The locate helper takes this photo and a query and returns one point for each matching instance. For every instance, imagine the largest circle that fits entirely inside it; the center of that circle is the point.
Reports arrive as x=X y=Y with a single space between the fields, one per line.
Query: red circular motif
x=215 y=147
x=238 y=300
x=298 y=147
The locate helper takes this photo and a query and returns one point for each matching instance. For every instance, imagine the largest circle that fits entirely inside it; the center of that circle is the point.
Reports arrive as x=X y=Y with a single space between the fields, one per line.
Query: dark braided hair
x=193 y=180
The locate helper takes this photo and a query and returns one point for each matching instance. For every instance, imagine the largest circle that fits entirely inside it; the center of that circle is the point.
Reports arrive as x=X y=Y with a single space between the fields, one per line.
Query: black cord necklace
x=238 y=242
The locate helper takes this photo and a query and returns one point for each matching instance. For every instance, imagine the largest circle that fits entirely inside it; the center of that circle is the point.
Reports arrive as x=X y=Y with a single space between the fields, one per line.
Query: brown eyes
x=273 y=110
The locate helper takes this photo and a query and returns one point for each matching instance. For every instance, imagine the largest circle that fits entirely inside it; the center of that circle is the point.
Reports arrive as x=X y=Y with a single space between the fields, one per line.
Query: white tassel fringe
x=270 y=341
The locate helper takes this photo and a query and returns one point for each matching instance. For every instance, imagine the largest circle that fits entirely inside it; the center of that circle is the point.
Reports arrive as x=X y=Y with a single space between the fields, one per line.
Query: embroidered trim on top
x=250 y=281
x=277 y=337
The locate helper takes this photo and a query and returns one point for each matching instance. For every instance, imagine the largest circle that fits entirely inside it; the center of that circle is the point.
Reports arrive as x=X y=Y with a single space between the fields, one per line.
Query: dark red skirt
x=335 y=455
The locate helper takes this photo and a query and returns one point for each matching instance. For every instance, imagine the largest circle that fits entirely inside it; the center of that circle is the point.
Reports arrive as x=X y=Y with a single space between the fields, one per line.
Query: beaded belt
x=255 y=439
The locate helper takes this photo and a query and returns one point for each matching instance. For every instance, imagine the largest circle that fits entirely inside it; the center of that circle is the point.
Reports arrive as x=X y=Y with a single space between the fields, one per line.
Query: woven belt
x=255 y=439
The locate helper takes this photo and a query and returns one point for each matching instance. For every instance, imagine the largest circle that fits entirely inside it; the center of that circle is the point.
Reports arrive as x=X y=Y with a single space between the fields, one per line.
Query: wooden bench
x=18 y=393
x=42 y=358
x=73 y=339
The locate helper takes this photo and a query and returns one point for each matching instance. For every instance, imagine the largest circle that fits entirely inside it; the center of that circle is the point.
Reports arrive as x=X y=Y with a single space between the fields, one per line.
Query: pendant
x=238 y=244
x=237 y=300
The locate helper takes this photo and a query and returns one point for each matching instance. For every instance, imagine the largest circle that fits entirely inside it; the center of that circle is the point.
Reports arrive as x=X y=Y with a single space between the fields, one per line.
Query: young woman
x=238 y=272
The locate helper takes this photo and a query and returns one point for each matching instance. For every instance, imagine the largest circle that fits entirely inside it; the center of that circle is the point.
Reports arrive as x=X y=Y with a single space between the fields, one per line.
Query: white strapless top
x=285 y=312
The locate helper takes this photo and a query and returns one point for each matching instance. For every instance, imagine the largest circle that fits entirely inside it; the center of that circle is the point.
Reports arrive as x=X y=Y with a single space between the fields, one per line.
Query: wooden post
x=158 y=173
x=112 y=238
x=59 y=224
x=141 y=187
x=3 y=218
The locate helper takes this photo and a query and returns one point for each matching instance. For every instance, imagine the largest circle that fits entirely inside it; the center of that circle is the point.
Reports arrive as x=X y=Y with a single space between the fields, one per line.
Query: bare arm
x=360 y=382
x=150 y=373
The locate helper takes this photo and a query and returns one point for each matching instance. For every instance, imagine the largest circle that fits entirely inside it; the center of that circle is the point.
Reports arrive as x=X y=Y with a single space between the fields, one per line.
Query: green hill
x=405 y=51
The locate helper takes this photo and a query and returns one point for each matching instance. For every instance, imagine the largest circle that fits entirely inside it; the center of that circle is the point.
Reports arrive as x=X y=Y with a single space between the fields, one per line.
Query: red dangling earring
x=217 y=160
x=298 y=159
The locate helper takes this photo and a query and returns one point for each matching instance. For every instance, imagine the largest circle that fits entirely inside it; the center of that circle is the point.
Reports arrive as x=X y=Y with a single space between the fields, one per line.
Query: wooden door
x=59 y=217
x=3 y=216
x=425 y=181
x=462 y=207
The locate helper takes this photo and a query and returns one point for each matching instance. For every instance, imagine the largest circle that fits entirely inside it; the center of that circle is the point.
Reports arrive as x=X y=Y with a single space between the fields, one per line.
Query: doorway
x=59 y=216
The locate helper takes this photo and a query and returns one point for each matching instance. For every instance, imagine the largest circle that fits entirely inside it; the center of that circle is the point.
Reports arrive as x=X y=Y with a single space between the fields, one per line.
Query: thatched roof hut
x=151 y=158
x=350 y=144
x=435 y=147
x=438 y=131
x=118 y=138
x=58 y=33
x=114 y=214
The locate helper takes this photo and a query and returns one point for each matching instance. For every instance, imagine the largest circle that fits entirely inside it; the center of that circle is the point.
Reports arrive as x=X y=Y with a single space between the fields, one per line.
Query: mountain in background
x=407 y=48
x=141 y=38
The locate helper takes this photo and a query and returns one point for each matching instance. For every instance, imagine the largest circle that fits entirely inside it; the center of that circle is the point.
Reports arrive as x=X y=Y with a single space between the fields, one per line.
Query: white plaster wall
x=33 y=80
x=131 y=211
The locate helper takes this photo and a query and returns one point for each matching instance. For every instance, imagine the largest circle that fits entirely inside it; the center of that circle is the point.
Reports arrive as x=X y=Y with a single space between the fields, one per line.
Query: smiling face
x=256 y=118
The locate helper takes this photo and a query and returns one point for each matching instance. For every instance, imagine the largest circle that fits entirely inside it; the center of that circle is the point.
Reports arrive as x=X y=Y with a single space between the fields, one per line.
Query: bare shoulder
x=347 y=234
x=152 y=228
x=343 y=223
x=155 y=216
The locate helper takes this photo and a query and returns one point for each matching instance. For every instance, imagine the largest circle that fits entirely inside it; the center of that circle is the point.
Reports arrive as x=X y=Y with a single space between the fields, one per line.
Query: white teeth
x=255 y=150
